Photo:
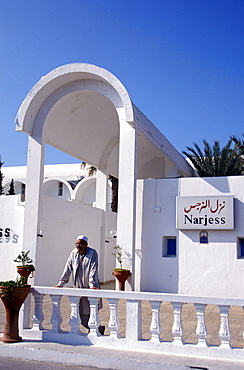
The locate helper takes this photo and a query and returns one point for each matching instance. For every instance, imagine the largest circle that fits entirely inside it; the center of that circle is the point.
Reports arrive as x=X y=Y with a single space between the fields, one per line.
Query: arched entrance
x=86 y=112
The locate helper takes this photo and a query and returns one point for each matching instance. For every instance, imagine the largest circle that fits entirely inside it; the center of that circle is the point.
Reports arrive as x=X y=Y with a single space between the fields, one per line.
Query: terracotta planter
x=121 y=276
x=12 y=301
x=24 y=272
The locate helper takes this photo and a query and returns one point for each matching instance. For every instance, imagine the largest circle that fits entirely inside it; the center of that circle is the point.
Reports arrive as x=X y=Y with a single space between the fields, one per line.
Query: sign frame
x=205 y=212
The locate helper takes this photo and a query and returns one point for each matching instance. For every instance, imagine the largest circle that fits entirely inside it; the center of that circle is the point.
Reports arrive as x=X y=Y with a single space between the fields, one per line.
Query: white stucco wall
x=211 y=269
x=11 y=217
x=61 y=223
x=156 y=199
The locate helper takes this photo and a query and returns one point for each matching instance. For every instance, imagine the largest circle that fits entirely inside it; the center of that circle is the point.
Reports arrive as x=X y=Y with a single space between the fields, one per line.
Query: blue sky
x=180 y=60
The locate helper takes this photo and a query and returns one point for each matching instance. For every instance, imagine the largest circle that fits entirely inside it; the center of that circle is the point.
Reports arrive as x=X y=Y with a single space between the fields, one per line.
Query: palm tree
x=215 y=161
x=91 y=170
x=11 y=188
x=115 y=189
x=239 y=144
x=114 y=201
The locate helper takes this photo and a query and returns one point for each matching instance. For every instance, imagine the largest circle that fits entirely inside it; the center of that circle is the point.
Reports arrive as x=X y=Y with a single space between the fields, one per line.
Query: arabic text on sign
x=199 y=206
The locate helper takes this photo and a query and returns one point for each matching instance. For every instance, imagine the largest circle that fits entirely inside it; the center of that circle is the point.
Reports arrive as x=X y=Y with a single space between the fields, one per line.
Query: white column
x=127 y=193
x=102 y=203
x=33 y=202
x=133 y=321
x=101 y=190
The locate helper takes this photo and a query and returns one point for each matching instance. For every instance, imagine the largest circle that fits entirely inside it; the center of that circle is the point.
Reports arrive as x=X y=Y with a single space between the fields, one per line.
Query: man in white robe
x=82 y=264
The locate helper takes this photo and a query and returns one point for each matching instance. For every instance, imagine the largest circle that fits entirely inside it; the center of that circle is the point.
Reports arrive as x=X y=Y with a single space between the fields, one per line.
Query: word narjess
x=204 y=221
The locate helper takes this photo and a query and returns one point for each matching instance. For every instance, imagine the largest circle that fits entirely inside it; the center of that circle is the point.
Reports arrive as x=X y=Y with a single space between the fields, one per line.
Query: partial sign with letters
x=205 y=212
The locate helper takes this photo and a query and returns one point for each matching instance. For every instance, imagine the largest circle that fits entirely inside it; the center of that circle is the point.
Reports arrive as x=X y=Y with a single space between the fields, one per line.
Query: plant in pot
x=25 y=268
x=120 y=273
x=13 y=294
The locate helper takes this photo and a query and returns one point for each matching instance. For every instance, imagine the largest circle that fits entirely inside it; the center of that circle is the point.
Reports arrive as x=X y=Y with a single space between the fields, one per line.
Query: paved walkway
x=96 y=357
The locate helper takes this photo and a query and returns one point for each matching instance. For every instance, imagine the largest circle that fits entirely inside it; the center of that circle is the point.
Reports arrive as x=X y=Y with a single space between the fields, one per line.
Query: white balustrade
x=133 y=315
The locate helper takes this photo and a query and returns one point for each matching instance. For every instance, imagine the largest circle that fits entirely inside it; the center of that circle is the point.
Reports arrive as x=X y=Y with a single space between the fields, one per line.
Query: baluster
x=155 y=327
x=177 y=328
x=201 y=331
x=38 y=315
x=74 y=320
x=94 y=321
x=224 y=331
x=56 y=318
x=114 y=323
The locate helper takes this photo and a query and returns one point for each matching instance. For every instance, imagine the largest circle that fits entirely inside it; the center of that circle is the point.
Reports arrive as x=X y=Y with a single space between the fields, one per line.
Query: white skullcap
x=82 y=237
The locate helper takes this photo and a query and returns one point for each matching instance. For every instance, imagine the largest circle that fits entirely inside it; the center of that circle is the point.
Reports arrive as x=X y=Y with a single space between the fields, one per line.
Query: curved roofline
x=57 y=179
x=8 y=181
x=82 y=183
x=60 y=77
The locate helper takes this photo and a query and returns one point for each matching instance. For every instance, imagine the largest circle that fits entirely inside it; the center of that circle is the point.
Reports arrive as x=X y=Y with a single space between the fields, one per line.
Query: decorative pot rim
x=120 y=270
x=29 y=267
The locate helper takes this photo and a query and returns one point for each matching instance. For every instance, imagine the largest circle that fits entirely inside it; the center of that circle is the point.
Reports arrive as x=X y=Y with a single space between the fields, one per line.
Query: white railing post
x=38 y=315
x=74 y=320
x=177 y=328
x=224 y=331
x=56 y=318
x=114 y=323
x=155 y=327
x=94 y=321
x=201 y=331
x=133 y=320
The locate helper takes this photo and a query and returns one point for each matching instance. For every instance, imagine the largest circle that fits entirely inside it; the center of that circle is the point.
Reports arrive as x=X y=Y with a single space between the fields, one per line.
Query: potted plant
x=25 y=268
x=120 y=273
x=13 y=294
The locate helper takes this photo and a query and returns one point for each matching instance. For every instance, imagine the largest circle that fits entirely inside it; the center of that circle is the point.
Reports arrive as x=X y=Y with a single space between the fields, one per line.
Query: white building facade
x=86 y=112
x=68 y=209
x=203 y=255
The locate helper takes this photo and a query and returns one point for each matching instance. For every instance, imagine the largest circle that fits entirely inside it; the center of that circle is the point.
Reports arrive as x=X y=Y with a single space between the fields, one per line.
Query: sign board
x=205 y=212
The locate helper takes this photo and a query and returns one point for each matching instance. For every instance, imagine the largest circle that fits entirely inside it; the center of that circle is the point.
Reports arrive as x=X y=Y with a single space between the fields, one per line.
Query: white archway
x=86 y=112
